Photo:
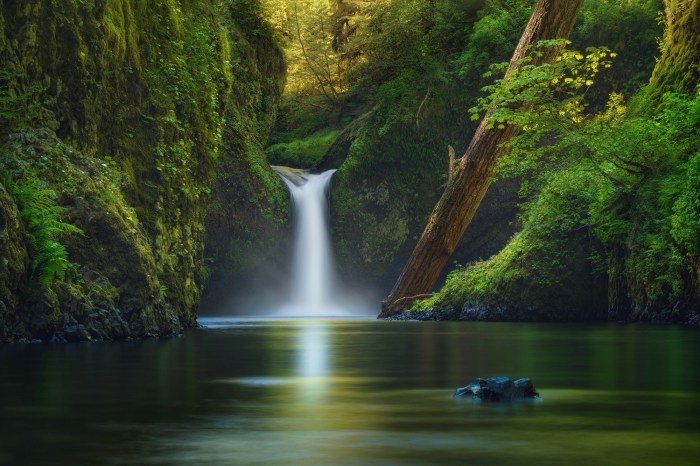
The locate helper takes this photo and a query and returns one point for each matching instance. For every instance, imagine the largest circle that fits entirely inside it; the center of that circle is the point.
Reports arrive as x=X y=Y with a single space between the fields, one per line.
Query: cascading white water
x=313 y=272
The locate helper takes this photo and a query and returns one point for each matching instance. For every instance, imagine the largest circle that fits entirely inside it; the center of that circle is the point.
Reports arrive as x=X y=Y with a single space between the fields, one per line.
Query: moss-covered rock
x=115 y=268
x=545 y=273
x=145 y=109
x=14 y=268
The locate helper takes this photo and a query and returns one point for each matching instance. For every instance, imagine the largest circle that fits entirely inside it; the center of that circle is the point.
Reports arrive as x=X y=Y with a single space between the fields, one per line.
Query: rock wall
x=142 y=110
x=14 y=265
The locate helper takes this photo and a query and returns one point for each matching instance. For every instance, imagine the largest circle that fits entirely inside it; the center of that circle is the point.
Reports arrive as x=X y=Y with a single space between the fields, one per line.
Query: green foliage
x=612 y=193
x=42 y=217
x=685 y=222
x=551 y=91
x=543 y=268
x=423 y=68
x=309 y=30
x=629 y=181
x=302 y=153
x=491 y=37
x=18 y=108
x=630 y=28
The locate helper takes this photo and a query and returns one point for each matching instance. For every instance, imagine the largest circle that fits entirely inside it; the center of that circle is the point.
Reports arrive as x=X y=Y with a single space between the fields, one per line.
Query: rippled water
x=355 y=392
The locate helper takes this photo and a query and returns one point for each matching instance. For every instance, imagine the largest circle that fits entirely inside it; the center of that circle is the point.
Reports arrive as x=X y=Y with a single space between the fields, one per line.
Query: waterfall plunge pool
x=355 y=391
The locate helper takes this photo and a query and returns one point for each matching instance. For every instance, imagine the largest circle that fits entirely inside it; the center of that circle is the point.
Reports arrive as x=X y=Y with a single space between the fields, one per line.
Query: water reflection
x=312 y=360
x=355 y=392
x=312 y=351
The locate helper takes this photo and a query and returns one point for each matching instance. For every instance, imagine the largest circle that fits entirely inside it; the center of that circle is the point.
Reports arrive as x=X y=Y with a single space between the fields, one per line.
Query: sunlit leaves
x=308 y=29
x=554 y=89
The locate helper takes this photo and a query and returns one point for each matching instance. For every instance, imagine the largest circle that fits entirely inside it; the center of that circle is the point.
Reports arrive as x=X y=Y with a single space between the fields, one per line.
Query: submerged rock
x=498 y=389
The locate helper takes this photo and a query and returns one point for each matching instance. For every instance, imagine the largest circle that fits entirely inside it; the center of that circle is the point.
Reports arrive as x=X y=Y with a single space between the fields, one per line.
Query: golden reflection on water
x=347 y=402
x=312 y=361
x=362 y=392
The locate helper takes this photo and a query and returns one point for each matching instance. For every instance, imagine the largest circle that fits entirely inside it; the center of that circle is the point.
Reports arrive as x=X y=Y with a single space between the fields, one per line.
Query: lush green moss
x=301 y=116
x=246 y=220
x=113 y=253
x=545 y=272
x=678 y=69
x=14 y=268
x=302 y=153
x=165 y=95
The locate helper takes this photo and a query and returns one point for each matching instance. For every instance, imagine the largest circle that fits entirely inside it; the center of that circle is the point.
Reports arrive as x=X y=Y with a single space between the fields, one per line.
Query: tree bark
x=551 y=19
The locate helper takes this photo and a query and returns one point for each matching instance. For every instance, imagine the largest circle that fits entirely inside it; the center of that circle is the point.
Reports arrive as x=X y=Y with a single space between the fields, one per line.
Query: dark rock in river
x=498 y=389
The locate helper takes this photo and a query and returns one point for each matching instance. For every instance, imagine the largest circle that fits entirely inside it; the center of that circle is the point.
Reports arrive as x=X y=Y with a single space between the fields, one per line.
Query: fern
x=42 y=218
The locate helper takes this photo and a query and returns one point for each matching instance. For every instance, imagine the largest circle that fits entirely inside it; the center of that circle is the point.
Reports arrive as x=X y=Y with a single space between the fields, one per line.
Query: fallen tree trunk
x=551 y=19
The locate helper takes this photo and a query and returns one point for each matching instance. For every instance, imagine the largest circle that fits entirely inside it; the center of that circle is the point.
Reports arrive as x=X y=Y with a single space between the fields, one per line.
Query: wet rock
x=14 y=267
x=76 y=333
x=498 y=389
x=57 y=339
x=297 y=176
x=107 y=324
x=449 y=313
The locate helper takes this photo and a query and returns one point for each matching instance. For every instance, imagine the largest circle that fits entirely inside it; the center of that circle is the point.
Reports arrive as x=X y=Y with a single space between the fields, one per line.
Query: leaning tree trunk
x=551 y=19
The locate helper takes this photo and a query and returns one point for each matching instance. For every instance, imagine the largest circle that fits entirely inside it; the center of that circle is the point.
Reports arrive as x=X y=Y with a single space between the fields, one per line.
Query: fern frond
x=42 y=218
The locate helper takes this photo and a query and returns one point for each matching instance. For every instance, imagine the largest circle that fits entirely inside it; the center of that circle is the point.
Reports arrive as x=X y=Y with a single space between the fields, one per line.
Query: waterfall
x=313 y=273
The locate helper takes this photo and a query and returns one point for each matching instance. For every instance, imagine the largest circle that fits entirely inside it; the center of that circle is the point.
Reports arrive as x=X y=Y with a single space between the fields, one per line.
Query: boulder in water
x=498 y=389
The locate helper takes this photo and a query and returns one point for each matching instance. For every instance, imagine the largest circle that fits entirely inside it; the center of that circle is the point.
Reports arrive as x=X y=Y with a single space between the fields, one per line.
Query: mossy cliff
x=133 y=113
x=14 y=263
x=246 y=225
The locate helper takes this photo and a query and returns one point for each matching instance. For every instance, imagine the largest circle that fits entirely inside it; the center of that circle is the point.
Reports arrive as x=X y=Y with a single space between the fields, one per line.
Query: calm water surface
x=358 y=391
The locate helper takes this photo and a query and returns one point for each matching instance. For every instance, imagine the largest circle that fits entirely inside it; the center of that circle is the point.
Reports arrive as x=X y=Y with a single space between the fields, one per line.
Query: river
x=355 y=391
